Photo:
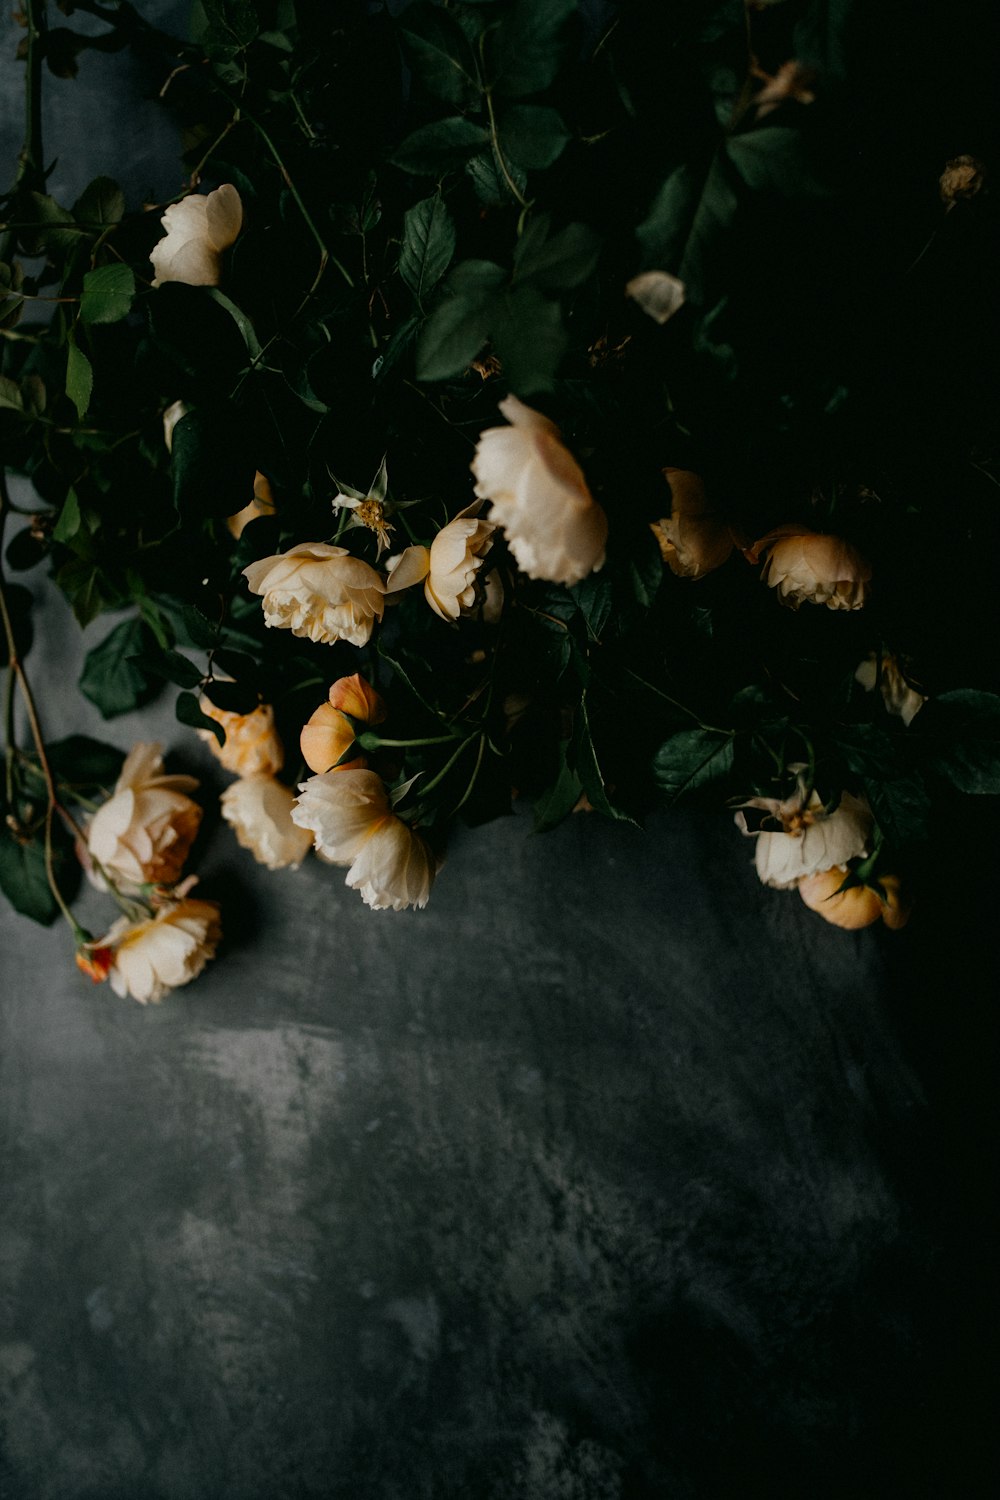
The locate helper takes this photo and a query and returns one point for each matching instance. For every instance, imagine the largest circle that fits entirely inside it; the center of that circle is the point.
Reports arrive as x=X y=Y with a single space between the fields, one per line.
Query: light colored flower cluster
x=811 y=849
x=811 y=567
x=540 y=499
x=198 y=230
x=136 y=845
x=256 y=806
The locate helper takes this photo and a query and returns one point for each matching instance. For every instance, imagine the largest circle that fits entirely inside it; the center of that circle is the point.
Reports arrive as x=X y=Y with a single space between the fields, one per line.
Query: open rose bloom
x=320 y=592
x=554 y=527
x=694 y=539
x=198 y=229
x=252 y=746
x=153 y=957
x=259 y=811
x=808 y=838
x=352 y=823
x=809 y=567
x=143 y=833
x=449 y=567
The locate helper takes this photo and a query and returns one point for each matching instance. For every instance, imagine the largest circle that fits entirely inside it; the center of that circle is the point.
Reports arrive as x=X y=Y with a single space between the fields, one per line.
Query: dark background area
x=610 y=1176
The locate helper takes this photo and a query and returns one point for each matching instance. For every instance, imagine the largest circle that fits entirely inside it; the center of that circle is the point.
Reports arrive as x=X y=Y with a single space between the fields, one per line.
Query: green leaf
x=773 y=159
x=454 y=334
x=25 y=550
x=10 y=395
x=101 y=202
x=645 y=571
x=79 y=378
x=55 y=228
x=200 y=630
x=434 y=149
x=529 y=44
x=589 y=770
x=690 y=760
x=490 y=185
x=111 y=679
x=533 y=135
x=237 y=664
x=69 y=521
x=82 y=761
x=240 y=318
x=529 y=338
x=662 y=233
x=23 y=879
x=107 y=294
x=966 y=746
x=234 y=697
x=556 y=262
x=902 y=808
x=171 y=666
x=428 y=245
x=188 y=712
x=19 y=602
x=560 y=799
x=438 y=51
x=213 y=474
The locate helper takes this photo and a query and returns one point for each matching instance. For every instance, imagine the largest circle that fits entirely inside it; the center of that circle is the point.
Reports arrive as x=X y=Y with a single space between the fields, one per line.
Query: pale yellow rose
x=352 y=823
x=693 y=539
x=143 y=833
x=449 y=567
x=152 y=958
x=859 y=906
x=329 y=734
x=252 y=746
x=899 y=697
x=320 y=592
x=809 y=839
x=811 y=567
x=198 y=229
x=259 y=810
x=554 y=527
x=262 y=504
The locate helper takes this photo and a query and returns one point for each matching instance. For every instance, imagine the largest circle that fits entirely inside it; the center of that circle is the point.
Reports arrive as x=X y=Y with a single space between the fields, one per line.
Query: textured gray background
x=609 y=1176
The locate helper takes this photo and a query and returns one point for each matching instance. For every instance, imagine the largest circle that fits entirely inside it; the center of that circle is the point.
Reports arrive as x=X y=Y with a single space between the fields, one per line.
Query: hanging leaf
x=691 y=760
x=528 y=45
x=107 y=294
x=102 y=202
x=438 y=51
x=79 y=378
x=189 y=712
x=533 y=135
x=436 y=148
x=112 y=679
x=428 y=245
x=23 y=877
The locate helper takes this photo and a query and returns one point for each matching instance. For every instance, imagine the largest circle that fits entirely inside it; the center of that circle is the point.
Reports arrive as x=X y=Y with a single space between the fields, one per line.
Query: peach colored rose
x=352 y=823
x=143 y=833
x=899 y=697
x=449 y=567
x=811 y=567
x=329 y=734
x=859 y=905
x=252 y=746
x=168 y=950
x=259 y=810
x=693 y=539
x=540 y=499
x=262 y=504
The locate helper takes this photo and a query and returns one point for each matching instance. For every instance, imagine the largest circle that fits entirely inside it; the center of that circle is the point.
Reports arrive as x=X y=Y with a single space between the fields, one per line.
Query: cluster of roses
x=134 y=848
x=554 y=530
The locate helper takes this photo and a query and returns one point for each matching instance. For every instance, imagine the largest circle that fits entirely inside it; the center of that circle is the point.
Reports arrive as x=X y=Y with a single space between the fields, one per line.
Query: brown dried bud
x=962 y=178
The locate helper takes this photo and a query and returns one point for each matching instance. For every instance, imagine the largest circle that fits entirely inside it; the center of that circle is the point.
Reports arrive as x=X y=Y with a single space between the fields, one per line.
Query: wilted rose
x=329 y=734
x=962 y=178
x=198 y=229
x=449 y=567
x=262 y=504
x=352 y=823
x=811 y=567
x=859 y=905
x=320 y=592
x=252 y=746
x=899 y=697
x=553 y=525
x=809 y=838
x=693 y=539
x=259 y=810
x=153 y=957
x=144 y=831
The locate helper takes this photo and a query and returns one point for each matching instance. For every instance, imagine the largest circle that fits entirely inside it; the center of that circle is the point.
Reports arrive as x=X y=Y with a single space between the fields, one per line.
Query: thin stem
x=372 y=741
x=709 y=728
x=498 y=153
x=472 y=779
x=430 y=785
x=9 y=745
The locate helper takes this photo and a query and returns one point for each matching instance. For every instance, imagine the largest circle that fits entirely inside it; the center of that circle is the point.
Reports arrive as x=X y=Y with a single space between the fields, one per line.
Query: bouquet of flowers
x=517 y=399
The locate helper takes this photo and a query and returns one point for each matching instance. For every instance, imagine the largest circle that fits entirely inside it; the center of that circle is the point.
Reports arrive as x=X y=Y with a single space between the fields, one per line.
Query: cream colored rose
x=144 y=831
x=259 y=810
x=262 y=504
x=352 y=823
x=809 y=838
x=899 y=697
x=152 y=958
x=252 y=746
x=553 y=525
x=198 y=229
x=329 y=734
x=693 y=539
x=810 y=567
x=449 y=567
x=658 y=293
x=859 y=906
x=319 y=592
